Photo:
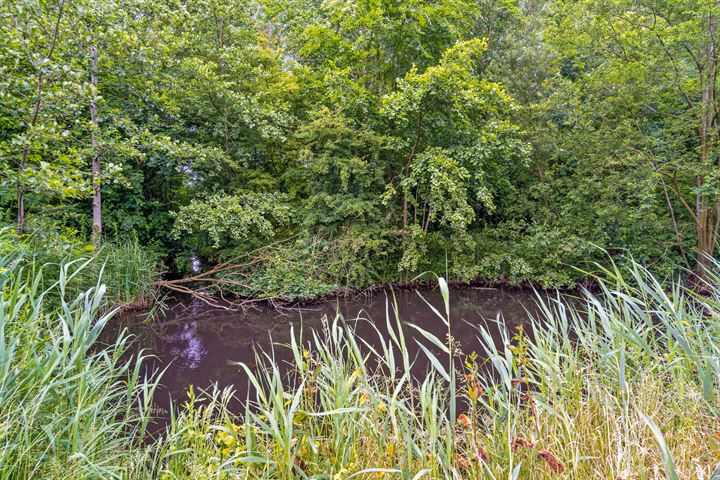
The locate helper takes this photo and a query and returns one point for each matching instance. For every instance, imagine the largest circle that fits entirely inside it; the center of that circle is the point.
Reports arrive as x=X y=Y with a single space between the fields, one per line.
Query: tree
x=96 y=180
x=652 y=66
x=451 y=127
x=39 y=49
x=483 y=138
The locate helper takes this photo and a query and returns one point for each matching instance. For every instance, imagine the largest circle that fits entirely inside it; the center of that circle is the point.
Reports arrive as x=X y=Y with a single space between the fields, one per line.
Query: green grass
x=130 y=272
x=68 y=407
x=627 y=390
x=623 y=385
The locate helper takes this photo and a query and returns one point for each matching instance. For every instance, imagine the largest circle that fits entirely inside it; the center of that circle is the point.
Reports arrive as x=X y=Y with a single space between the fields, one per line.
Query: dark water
x=198 y=345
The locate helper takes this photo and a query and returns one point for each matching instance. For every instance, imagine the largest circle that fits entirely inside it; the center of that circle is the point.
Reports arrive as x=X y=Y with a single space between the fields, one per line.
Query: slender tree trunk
x=405 y=211
x=406 y=169
x=23 y=160
x=673 y=218
x=706 y=206
x=96 y=181
x=22 y=166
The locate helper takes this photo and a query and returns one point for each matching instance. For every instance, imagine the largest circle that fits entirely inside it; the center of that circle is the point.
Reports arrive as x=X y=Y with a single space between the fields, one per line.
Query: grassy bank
x=129 y=270
x=623 y=386
x=69 y=409
x=626 y=391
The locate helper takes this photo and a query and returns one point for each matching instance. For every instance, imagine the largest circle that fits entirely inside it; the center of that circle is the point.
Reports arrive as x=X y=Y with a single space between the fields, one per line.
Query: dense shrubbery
x=472 y=138
x=620 y=385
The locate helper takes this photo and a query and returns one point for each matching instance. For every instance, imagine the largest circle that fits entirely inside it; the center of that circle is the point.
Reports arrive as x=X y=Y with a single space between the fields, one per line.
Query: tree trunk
x=706 y=206
x=23 y=160
x=705 y=243
x=405 y=211
x=96 y=181
x=36 y=111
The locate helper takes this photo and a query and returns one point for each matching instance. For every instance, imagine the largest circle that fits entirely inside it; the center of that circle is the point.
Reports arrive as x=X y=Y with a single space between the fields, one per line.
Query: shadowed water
x=199 y=346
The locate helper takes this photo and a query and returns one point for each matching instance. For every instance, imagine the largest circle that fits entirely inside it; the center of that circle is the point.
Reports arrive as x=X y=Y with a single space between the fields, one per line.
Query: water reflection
x=199 y=345
x=186 y=347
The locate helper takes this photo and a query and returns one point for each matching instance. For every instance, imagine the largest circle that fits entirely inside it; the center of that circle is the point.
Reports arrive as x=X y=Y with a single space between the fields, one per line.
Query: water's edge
x=200 y=346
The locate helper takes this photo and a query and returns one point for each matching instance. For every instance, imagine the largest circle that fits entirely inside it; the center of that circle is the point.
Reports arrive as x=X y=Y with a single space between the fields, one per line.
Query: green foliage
x=339 y=175
x=233 y=221
x=641 y=81
x=292 y=272
x=476 y=138
x=71 y=407
x=541 y=254
x=130 y=270
x=440 y=182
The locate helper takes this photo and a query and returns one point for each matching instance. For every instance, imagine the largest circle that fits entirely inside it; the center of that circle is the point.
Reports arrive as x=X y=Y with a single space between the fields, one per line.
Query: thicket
x=481 y=139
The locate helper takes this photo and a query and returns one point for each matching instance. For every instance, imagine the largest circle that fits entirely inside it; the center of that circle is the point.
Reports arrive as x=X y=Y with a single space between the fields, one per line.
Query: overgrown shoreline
x=348 y=292
x=264 y=275
x=631 y=394
x=287 y=151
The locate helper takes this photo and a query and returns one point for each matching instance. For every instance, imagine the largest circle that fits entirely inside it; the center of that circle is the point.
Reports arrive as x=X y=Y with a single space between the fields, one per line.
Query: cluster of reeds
x=69 y=407
x=131 y=273
x=621 y=385
x=130 y=270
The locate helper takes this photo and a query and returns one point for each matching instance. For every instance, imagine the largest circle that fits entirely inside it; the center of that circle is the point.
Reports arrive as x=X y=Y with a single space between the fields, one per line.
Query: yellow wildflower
x=340 y=475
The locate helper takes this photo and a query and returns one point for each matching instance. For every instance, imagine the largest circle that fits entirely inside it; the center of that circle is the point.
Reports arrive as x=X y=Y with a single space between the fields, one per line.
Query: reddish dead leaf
x=481 y=455
x=464 y=420
x=461 y=462
x=300 y=464
x=553 y=462
x=519 y=380
x=522 y=442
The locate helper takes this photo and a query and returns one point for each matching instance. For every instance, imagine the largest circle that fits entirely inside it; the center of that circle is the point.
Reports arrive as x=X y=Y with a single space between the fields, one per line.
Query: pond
x=200 y=346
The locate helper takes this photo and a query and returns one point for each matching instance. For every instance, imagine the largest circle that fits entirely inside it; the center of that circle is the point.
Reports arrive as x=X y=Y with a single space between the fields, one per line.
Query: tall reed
x=130 y=271
x=69 y=407
x=621 y=385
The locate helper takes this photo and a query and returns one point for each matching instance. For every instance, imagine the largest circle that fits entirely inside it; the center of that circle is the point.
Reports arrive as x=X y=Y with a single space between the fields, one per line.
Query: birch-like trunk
x=96 y=181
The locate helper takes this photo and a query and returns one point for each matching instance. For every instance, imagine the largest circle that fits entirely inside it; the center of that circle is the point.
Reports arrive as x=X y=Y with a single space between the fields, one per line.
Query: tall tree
x=96 y=178
x=652 y=65
x=39 y=61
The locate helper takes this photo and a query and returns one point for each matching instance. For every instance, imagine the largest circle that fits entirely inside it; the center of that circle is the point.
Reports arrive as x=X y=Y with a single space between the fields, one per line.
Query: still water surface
x=200 y=346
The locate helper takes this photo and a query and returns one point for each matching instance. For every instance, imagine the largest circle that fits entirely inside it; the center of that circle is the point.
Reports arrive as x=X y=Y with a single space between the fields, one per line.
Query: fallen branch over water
x=222 y=285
